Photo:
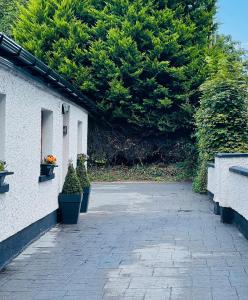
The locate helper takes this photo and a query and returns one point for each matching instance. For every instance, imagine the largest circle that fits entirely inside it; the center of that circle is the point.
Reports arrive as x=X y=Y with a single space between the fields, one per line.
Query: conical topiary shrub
x=71 y=197
x=72 y=184
x=82 y=172
x=84 y=181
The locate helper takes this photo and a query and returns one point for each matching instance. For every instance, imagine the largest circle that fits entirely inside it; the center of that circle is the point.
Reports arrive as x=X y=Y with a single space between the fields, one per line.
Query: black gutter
x=14 y=53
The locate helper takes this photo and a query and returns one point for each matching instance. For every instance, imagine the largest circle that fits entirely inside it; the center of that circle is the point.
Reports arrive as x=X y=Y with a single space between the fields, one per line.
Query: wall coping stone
x=211 y=164
x=231 y=155
x=239 y=170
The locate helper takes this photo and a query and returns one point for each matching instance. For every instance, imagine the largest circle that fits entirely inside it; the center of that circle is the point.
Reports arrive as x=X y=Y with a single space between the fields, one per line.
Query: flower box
x=4 y=188
x=47 y=169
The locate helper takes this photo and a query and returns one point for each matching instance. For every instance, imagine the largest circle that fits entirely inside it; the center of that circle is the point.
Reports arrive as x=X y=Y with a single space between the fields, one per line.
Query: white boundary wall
x=24 y=98
x=229 y=189
x=211 y=179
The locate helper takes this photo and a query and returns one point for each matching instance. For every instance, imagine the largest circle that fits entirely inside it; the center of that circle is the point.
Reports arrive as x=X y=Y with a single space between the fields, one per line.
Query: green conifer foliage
x=8 y=14
x=72 y=184
x=141 y=61
x=82 y=172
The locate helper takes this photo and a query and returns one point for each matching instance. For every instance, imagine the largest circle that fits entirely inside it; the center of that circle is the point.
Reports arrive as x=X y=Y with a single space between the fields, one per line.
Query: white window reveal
x=2 y=127
x=46 y=133
x=66 y=132
x=80 y=137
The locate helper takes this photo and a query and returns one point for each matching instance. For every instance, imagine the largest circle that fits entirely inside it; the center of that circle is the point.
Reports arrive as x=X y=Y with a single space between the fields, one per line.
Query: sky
x=233 y=19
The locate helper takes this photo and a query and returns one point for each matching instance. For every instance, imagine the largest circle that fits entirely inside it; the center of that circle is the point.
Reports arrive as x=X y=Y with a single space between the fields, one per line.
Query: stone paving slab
x=138 y=241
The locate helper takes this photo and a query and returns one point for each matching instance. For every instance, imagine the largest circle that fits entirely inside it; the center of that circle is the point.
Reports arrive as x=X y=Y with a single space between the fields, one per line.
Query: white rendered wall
x=211 y=180
x=28 y=201
x=238 y=194
x=224 y=185
x=229 y=189
x=2 y=127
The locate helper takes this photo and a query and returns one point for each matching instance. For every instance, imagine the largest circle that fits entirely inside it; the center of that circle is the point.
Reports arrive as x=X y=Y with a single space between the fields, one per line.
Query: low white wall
x=28 y=201
x=238 y=194
x=229 y=189
x=211 y=180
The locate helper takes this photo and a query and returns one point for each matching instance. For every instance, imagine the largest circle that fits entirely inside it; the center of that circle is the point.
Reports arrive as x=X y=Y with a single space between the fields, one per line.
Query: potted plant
x=3 y=173
x=84 y=181
x=48 y=165
x=71 y=197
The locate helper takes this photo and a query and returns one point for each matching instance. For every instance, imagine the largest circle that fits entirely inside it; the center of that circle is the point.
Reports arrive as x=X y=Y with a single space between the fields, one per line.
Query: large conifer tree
x=8 y=14
x=141 y=61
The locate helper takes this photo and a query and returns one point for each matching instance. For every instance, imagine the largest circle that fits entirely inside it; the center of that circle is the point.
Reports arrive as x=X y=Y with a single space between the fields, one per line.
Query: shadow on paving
x=138 y=241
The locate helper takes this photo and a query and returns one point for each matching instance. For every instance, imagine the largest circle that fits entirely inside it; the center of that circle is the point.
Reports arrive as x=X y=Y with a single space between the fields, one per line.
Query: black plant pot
x=85 y=200
x=70 y=208
x=4 y=188
x=47 y=169
x=3 y=174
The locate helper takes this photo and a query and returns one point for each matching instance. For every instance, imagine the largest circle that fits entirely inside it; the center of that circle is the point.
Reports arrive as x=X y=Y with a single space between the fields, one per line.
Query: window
x=46 y=133
x=2 y=127
x=80 y=137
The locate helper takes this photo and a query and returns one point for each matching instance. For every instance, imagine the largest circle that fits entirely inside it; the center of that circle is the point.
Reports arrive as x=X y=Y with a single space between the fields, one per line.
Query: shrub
x=82 y=172
x=72 y=184
x=140 y=60
x=2 y=165
x=8 y=14
x=222 y=119
x=109 y=147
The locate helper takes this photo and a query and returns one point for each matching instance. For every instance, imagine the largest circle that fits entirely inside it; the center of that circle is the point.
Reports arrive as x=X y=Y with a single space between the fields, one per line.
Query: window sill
x=44 y=178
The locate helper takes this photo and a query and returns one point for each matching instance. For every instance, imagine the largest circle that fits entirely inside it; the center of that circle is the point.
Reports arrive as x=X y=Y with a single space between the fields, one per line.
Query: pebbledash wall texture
x=22 y=100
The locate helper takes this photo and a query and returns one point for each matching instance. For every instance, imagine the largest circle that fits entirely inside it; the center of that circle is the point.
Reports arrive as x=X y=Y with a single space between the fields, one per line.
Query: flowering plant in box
x=50 y=160
x=48 y=165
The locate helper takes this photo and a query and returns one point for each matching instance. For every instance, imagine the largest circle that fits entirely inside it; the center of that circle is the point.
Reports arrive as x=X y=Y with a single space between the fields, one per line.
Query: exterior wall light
x=65 y=108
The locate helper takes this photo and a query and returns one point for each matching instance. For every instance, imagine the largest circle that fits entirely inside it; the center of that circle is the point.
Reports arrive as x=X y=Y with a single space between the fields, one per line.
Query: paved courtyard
x=138 y=241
